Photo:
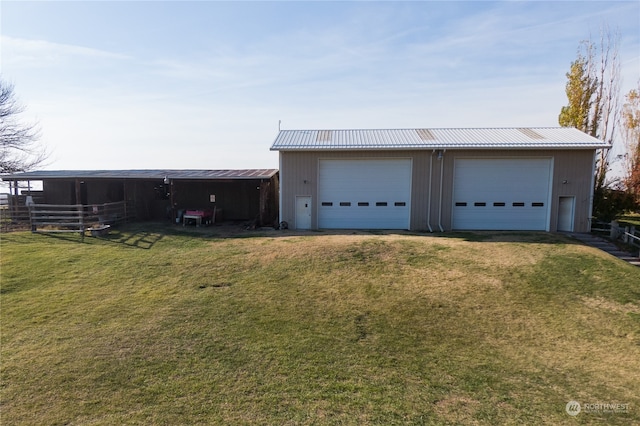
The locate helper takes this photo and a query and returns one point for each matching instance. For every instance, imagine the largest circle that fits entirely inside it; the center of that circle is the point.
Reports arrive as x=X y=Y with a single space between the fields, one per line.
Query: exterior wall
x=299 y=177
x=59 y=191
x=238 y=199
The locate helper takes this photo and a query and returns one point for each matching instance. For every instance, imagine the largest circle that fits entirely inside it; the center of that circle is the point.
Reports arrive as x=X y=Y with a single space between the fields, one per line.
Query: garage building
x=437 y=179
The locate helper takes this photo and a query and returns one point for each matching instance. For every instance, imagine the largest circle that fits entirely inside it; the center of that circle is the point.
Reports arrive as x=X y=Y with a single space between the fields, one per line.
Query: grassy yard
x=632 y=219
x=156 y=325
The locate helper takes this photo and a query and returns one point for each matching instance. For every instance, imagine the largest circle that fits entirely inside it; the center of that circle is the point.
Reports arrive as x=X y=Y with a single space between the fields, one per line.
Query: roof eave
x=448 y=147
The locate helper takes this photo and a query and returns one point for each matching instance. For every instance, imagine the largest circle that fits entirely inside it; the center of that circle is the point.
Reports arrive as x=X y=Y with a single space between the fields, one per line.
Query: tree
x=631 y=136
x=20 y=149
x=579 y=89
x=593 y=91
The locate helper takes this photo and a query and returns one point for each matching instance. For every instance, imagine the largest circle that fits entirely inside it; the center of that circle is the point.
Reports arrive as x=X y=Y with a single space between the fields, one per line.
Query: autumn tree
x=20 y=149
x=631 y=136
x=593 y=91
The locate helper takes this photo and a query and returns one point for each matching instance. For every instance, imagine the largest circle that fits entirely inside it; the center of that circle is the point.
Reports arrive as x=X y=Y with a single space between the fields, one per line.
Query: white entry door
x=303 y=212
x=565 y=214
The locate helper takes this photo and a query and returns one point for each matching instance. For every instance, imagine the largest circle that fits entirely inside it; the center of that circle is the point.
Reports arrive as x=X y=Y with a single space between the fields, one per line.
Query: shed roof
x=461 y=138
x=144 y=174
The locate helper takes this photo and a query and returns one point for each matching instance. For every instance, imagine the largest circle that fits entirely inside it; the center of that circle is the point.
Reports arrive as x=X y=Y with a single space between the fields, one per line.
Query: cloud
x=21 y=52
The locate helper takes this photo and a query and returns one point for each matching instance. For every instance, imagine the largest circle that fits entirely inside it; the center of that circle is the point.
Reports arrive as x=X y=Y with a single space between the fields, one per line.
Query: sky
x=207 y=84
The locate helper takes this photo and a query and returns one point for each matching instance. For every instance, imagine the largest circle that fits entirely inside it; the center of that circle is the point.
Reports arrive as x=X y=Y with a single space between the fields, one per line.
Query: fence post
x=625 y=236
x=613 y=233
x=81 y=214
x=33 y=225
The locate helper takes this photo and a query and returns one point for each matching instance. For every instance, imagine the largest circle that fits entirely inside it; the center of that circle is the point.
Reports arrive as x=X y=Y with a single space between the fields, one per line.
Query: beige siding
x=299 y=177
x=574 y=166
x=298 y=167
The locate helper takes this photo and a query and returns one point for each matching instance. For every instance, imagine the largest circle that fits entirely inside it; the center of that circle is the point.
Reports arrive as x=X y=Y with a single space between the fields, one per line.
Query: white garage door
x=501 y=194
x=364 y=194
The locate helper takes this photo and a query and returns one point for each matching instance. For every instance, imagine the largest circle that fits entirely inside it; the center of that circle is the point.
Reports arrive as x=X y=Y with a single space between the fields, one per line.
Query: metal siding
x=577 y=169
x=575 y=166
x=303 y=165
x=298 y=167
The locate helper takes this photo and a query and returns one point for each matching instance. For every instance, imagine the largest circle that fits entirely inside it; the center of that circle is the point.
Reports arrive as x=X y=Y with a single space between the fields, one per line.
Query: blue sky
x=124 y=85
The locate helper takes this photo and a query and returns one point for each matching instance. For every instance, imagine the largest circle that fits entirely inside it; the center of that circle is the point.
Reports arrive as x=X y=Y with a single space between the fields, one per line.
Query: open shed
x=236 y=195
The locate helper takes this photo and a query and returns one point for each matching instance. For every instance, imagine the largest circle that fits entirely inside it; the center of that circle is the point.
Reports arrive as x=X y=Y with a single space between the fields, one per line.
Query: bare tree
x=631 y=137
x=606 y=111
x=20 y=149
x=593 y=93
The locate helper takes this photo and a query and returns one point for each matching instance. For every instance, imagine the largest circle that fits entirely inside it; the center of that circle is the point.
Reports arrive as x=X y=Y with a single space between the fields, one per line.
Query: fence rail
x=625 y=233
x=64 y=217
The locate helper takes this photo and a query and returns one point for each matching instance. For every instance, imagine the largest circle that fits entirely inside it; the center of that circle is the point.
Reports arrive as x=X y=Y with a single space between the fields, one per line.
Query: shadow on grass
x=145 y=235
x=138 y=237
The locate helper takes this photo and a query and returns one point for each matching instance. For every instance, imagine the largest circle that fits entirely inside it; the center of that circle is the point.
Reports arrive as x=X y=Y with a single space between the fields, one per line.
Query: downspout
x=593 y=182
x=429 y=196
x=441 y=158
x=280 y=180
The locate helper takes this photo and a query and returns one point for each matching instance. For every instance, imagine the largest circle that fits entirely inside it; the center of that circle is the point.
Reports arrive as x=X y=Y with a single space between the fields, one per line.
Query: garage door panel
x=369 y=194
x=520 y=186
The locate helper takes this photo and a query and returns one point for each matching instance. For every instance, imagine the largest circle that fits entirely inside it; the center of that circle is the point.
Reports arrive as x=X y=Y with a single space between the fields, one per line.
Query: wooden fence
x=625 y=233
x=64 y=217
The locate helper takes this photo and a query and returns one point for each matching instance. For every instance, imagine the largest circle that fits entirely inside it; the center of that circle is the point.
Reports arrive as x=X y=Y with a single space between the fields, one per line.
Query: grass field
x=160 y=325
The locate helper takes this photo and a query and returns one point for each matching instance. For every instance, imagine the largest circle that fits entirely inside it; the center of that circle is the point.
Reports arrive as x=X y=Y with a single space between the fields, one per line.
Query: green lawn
x=632 y=219
x=160 y=325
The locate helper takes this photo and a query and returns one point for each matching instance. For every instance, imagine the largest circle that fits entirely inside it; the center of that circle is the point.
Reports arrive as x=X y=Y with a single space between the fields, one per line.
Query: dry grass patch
x=176 y=327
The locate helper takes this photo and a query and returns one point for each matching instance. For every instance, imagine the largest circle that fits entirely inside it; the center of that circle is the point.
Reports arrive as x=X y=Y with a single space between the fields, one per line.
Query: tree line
x=596 y=108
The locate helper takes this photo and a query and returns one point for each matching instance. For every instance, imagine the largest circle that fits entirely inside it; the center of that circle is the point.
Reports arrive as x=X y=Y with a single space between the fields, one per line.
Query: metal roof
x=467 y=138
x=144 y=174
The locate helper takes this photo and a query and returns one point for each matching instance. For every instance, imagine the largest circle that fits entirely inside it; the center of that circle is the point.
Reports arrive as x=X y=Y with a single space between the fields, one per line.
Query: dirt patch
x=456 y=407
x=608 y=305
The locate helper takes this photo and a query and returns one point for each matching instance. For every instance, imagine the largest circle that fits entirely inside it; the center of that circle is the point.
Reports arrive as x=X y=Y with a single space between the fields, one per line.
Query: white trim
x=573 y=212
x=441 y=187
x=280 y=197
x=296 y=211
